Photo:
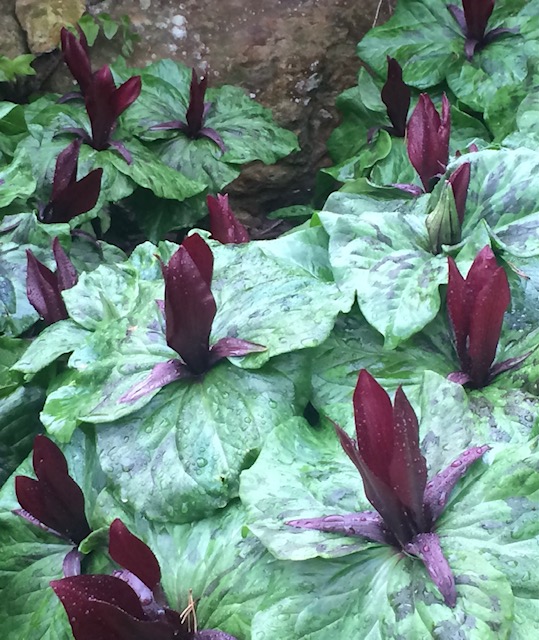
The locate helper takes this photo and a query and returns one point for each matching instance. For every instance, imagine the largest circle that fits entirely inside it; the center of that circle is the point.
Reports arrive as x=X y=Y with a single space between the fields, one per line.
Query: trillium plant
x=396 y=96
x=394 y=472
x=195 y=116
x=224 y=225
x=130 y=604
x=54 y=502
x=189 y=310
x=44 y=288
x=476 y=306
x=71 y=197
x=182 y=421
x=473 y=20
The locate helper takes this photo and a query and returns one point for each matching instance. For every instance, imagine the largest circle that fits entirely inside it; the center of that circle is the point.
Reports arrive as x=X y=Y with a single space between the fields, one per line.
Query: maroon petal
x=396 y=96
x=459 y=377
x=125 y=95
x=66 y=273
x=366 y=524
x=189 y=304
x=486 y=325
x=195 y=110
x=54 y=499
x=101 y=607
x=201 y=255
x=224 y=225
x=133 y=554
x=426 y=546
x=428 y=140
x=233 y=347
x=477 y=14
x=211 y=134
x=439 y=489
x=162 y=374
x=407 y=466
x=78 y=197
x=460 y=181
x=482 y=270
x=43 y=290
x=65 y=172
x=76 y=57
x=100 y=107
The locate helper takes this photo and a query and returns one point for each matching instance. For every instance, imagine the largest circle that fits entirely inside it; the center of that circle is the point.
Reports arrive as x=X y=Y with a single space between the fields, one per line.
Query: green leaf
x=16 y=181
x=380 y=594
x=179 y=458
x=383 y=257
x=428 y=43
x=10 y=68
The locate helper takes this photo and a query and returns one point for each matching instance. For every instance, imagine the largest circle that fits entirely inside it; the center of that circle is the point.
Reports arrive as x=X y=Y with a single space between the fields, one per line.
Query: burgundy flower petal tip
x=396 y=95
x=460 y=181
x=233 y=348
x=71 y=197
x=427 y=137
x=476 y=306
x=76 y=56
x=55 y=500
x=411 y=189
x=212 y=634
x=366 y=524
x=105 y=103
x=224 y=226
x=426 y=546
x=133 y=554
x=43 y=290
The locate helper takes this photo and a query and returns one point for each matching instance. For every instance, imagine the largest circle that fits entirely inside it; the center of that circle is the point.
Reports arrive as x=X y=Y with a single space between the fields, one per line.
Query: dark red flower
x=54 y=501
x=224 y=225
x=129 y=605
x=71 y=197
x=43 y=287
x=394 y=473
x=396 y=95
x=428 y=140
x=77 y=57
x=473 y=19
x=476 y=306
x=189 y=313
x=195 y=117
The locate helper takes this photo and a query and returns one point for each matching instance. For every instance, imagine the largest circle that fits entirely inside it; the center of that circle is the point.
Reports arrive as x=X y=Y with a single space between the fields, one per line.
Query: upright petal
x=481 y=272
x=43 y=290
x=396 y=96
x=100 y=107
x=76 y=57
x=408 y=467
x=133 y=554
x=125 y=95
x=195 y=110
x=201 y=255
x=55 y=499
x=460 y=181
x=224 y=225
x=189 y=304
x=428 y=140
x=66 y=273
x=65 y=171
x=77 y=198
x=477 y=14
x=486 y=325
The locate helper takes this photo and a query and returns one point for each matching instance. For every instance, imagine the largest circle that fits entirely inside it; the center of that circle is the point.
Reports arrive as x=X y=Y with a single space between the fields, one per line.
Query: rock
x=12 y=42
x=43 y=19
x=294 y=56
